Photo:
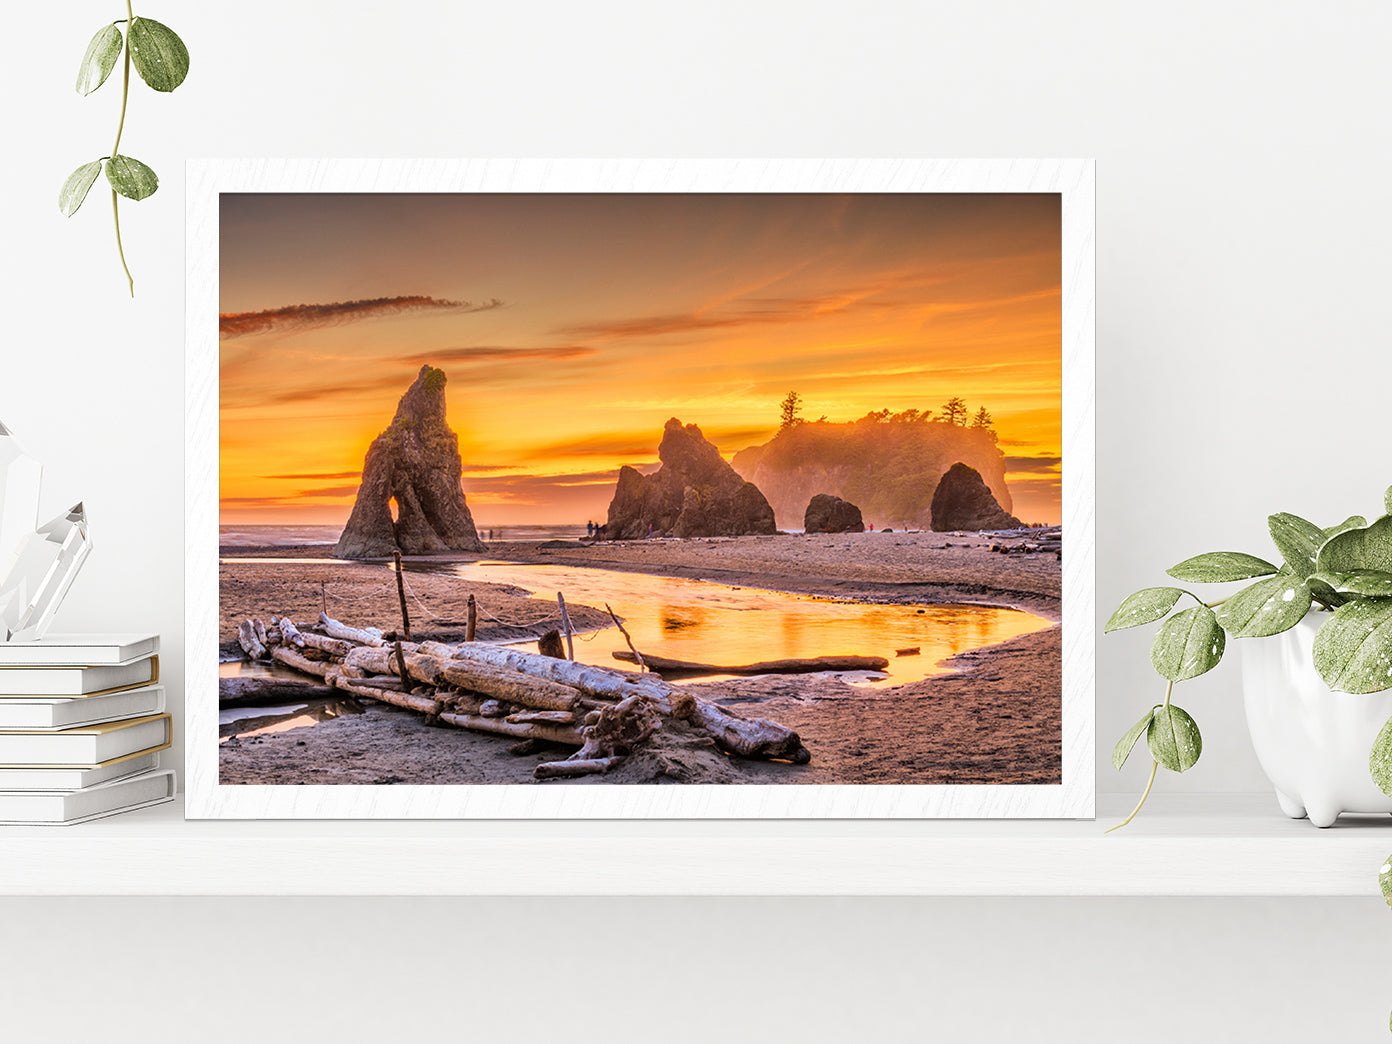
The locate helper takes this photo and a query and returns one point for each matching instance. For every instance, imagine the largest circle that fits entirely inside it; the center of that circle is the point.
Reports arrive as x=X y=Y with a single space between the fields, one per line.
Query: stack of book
x=82 y=724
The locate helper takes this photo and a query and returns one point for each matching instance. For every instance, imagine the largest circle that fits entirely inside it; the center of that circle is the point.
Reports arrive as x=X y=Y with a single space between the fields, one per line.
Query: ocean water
x=277 y=536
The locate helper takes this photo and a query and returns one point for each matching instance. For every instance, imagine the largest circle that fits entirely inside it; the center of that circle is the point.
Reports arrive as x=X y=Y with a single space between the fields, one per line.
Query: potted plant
x=1318 y=695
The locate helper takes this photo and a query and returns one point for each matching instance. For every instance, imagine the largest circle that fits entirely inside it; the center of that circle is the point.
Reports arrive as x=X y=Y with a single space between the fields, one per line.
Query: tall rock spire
x=415 y=463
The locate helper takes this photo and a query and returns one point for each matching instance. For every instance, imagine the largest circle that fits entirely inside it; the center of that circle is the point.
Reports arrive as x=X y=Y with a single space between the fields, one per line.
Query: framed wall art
x=653 y=489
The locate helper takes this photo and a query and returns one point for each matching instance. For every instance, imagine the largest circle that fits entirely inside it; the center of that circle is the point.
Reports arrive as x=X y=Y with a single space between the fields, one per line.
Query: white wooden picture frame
x=1071 y=180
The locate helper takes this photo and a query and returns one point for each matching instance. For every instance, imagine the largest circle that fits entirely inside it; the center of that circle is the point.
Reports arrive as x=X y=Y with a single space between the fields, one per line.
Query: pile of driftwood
x=606 y=714
x=1047 y=540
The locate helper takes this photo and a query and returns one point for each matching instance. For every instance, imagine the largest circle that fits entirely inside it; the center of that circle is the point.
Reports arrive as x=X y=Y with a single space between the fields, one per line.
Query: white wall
x=1242 y=218
x=1241 y=222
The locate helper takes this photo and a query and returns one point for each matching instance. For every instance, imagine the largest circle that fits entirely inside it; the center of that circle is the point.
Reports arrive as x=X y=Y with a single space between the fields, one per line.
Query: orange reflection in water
x=711 y=623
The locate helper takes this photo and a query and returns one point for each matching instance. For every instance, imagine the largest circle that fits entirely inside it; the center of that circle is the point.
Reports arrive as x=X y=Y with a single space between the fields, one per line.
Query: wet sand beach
x=994 y=717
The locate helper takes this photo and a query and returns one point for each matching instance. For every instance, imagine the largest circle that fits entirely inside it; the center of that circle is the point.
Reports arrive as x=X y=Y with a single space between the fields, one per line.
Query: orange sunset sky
x=572 y=326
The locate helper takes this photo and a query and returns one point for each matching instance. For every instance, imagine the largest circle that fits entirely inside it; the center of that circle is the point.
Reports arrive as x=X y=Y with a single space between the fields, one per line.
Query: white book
x=78 y=650
x=45 y=714
x=65 y=807
x=77 y=681
x=86 y=746
x=50 y=777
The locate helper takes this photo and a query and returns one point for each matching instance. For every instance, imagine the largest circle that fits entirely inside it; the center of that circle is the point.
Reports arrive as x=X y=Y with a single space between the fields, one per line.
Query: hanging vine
x=162 y=61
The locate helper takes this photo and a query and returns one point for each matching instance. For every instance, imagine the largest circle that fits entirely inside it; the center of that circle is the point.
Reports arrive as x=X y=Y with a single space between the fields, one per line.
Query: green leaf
x=1297 y=540
x=1122 y=750
x=1366 y=583
x=100 y=59
x=130 y=177
x=1267 y=607
x=1143 y=607
x=1353 y=650
x=75 y=189
x=1321 y=590
x=1387 y=500
x=1352 y=522
x=1380 y=765
x=1188 y=644
x=1385 y=872
x=1219 y=567
x=1173 y=738
x=160 y=57
x=1354 y=549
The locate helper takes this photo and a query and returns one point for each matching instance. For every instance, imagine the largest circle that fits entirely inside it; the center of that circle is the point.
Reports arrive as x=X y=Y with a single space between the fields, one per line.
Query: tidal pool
x=715 y=623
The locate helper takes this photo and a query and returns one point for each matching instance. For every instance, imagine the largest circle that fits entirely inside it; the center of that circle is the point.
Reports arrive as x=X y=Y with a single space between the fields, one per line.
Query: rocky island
x=695 y=493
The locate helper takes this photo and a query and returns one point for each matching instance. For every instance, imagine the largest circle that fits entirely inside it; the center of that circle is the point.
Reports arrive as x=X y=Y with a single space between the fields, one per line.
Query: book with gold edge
x=77 y=681
x=85 y=746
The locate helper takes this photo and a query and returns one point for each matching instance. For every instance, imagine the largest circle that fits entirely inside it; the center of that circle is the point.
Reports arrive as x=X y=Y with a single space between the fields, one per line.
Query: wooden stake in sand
x=401 y=594
x=565 y=623
x=473 y=620
x=636 y=654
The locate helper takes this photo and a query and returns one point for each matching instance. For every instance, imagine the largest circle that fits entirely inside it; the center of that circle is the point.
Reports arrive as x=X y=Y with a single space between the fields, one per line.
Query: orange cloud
x=318 y=475
x=496 y=353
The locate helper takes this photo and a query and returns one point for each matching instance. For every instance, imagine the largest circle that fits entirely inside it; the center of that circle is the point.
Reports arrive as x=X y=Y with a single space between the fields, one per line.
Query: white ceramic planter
x=1312 y=742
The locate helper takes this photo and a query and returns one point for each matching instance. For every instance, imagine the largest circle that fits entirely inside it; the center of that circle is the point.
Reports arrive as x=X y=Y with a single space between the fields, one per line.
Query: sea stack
x=694 y=494
x=828 y=514
x=415 y=463
x=963 y=501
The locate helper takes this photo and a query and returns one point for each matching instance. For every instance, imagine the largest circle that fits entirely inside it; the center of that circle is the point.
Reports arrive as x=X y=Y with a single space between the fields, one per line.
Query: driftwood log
x=750 y=737
x=535 y=730
x=297 y=660
x=250 y=641
x=361 y=635
x=499 y=682
x=746 y=737
x=289 y=633
x=252 y=692
x=574 y=767
x=676 y=668
x=600 y=682
x=606 y=713
x=336 y=647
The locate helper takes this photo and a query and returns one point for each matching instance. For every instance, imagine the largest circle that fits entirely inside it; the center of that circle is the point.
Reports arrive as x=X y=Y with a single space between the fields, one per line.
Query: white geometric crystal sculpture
x=20 y=475
x=40 y=574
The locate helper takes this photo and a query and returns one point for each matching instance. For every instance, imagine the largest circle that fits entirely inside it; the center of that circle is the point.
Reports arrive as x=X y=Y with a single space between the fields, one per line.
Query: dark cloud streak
x=303 y=316
x=1042 y=464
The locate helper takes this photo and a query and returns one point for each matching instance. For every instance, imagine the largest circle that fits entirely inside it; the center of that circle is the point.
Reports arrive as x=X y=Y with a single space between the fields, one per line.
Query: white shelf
x=1209 y=845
